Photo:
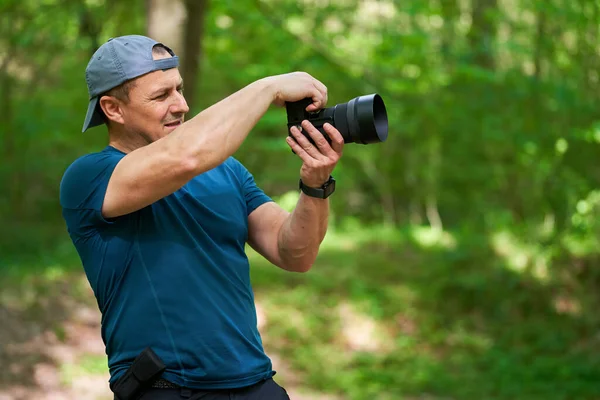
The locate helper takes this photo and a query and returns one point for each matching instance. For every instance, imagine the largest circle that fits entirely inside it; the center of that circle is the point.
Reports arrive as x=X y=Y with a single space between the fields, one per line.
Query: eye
x=161 y=96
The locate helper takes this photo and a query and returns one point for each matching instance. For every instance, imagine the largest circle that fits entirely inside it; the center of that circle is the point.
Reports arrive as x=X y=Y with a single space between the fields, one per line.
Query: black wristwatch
x=322 y=192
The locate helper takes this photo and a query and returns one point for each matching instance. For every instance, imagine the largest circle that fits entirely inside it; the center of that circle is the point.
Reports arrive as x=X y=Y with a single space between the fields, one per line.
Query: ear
x=112 y=109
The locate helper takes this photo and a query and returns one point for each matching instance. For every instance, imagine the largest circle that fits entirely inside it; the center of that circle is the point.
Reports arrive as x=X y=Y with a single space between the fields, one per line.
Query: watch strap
x=321 y=192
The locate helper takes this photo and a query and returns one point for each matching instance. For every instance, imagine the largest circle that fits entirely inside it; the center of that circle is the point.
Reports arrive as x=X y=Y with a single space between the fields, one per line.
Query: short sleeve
x=254 y=195
x=82 y=191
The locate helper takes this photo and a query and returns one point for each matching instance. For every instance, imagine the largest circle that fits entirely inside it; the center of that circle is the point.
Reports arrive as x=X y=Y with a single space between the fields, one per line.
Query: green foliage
x=484 y=197
x=452 y=321
x=87 y=365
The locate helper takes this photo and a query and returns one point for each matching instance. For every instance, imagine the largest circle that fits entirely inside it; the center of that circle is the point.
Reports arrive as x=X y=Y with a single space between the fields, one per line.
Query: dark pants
x=264 y=390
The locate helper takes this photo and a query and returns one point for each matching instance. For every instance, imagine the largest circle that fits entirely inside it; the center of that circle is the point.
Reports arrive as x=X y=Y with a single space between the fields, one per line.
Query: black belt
x=164 y=384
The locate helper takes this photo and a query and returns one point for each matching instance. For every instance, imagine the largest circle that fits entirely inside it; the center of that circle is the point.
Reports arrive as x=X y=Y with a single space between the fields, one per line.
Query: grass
x=88 y=364
x=412 y=313
x=408 y=313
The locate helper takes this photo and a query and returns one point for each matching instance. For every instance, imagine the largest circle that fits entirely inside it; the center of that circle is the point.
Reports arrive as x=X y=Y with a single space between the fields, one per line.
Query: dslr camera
x=362 y=120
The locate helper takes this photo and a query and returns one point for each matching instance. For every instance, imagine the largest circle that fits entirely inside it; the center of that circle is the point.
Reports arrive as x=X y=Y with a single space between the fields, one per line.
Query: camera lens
x=362 y=120
x=367 y=119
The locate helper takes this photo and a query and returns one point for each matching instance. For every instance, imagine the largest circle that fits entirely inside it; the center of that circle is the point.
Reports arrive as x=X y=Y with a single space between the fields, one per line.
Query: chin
x=166 y=132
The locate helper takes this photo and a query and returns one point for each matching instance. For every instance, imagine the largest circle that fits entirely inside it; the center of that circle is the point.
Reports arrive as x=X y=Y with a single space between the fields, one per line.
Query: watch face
x=330 y=187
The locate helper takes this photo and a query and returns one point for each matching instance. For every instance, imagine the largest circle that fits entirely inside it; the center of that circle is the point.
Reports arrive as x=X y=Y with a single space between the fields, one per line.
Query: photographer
x=161 y=215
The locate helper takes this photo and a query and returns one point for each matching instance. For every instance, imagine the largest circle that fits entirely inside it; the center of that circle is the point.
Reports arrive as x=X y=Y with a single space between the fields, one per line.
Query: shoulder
x=234 y=169
x=234 y=164
x=92 y=162
x=87 y=171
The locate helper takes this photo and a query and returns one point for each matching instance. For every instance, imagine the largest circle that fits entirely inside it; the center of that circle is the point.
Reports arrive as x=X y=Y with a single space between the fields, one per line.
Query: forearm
x=218 y=131
x=302 y=233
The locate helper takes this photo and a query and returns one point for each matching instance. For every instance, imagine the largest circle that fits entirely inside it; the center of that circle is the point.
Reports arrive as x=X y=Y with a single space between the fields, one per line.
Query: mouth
x=173 y=124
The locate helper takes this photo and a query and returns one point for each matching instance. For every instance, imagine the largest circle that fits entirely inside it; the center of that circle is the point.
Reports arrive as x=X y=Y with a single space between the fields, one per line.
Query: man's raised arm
x=154 y=171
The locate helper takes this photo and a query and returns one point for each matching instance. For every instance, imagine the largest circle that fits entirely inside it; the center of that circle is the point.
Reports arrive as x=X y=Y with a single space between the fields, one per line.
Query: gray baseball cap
x=116 y=61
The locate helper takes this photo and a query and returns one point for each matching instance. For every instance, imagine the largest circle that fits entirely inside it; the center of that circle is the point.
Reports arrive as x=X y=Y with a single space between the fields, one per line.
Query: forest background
x=462 y=256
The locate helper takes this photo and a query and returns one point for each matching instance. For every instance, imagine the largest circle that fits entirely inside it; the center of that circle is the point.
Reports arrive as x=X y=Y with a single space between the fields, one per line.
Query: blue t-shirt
x=174 y=275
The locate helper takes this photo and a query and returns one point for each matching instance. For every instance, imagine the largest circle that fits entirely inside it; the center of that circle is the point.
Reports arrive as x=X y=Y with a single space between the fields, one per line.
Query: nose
x=179 y=106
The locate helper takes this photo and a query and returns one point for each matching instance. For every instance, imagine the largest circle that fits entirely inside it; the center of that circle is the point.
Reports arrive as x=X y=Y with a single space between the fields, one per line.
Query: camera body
x=296 y=113
x=362 y=120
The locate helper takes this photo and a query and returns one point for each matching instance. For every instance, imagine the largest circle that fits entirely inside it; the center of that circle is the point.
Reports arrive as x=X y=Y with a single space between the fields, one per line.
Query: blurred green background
x=462 y=256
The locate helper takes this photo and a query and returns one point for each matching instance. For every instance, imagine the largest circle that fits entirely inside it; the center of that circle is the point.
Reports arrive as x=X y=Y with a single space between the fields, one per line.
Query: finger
x=319 y=139
x=323 y=89
x=305 y=144
x=318 y=101
x=320 y=97
x=315 y=105
x=298 y=149
x=337 y=140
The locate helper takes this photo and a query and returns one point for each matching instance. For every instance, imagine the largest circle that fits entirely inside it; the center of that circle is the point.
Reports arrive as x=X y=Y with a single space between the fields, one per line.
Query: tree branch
x=270 y=15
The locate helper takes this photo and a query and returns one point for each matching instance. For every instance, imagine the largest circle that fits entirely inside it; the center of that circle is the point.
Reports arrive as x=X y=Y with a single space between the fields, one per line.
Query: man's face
x=156 y=104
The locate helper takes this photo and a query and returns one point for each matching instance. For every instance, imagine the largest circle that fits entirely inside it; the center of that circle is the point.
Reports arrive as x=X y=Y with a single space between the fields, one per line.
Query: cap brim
x=93 y=116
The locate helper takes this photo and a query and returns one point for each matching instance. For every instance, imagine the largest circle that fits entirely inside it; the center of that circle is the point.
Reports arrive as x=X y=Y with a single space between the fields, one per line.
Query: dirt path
x=45 y=343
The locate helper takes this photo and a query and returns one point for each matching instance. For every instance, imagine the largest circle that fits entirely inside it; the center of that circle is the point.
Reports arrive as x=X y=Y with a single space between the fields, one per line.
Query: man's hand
x=296 y=86
x=320 y=160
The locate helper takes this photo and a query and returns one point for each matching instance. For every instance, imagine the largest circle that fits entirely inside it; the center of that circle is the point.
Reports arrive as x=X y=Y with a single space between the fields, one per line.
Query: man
x=160 y=218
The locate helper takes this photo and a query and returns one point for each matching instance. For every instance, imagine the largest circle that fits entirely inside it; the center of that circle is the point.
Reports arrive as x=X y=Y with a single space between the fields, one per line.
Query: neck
x=126 y=141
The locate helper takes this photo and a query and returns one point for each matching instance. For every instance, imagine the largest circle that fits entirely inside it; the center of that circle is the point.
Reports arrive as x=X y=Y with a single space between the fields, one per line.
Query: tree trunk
x=89 y=27
x=165 y=23
x=13 y=189
x=450 y=14
x=192 y=50
x=540 y=38
x=179 y=24
x=483 y=32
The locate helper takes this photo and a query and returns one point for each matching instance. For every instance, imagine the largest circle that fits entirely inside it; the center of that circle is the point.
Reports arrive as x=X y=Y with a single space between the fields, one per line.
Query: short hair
x=121 y=92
